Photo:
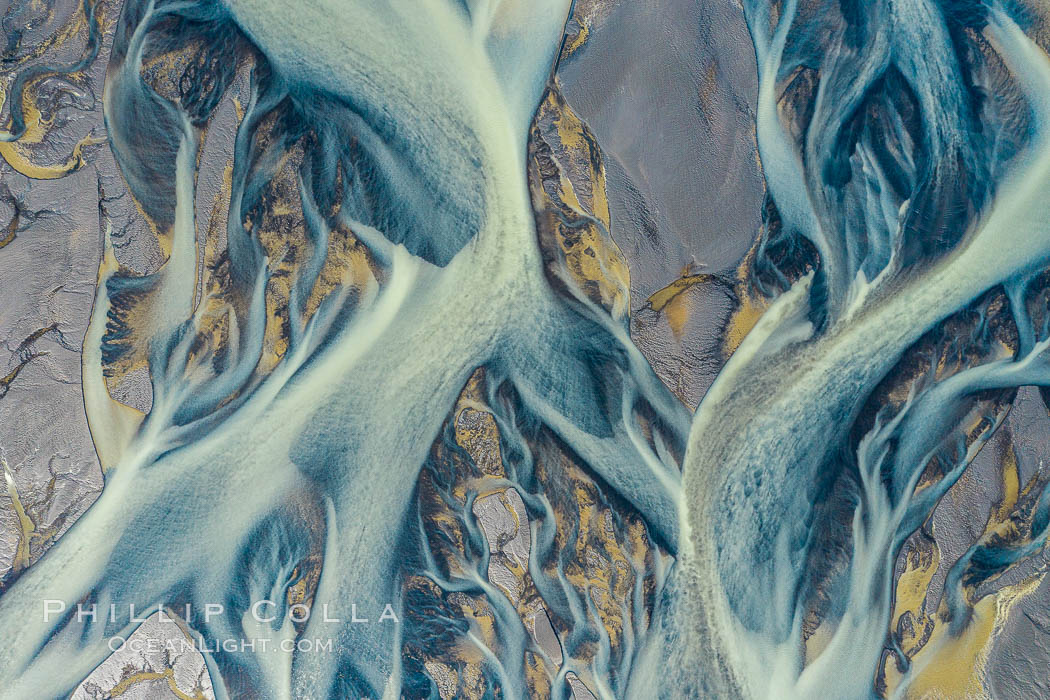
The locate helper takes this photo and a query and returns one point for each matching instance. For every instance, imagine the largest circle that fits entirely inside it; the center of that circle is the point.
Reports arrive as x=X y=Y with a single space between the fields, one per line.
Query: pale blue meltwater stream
x=436 y=97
